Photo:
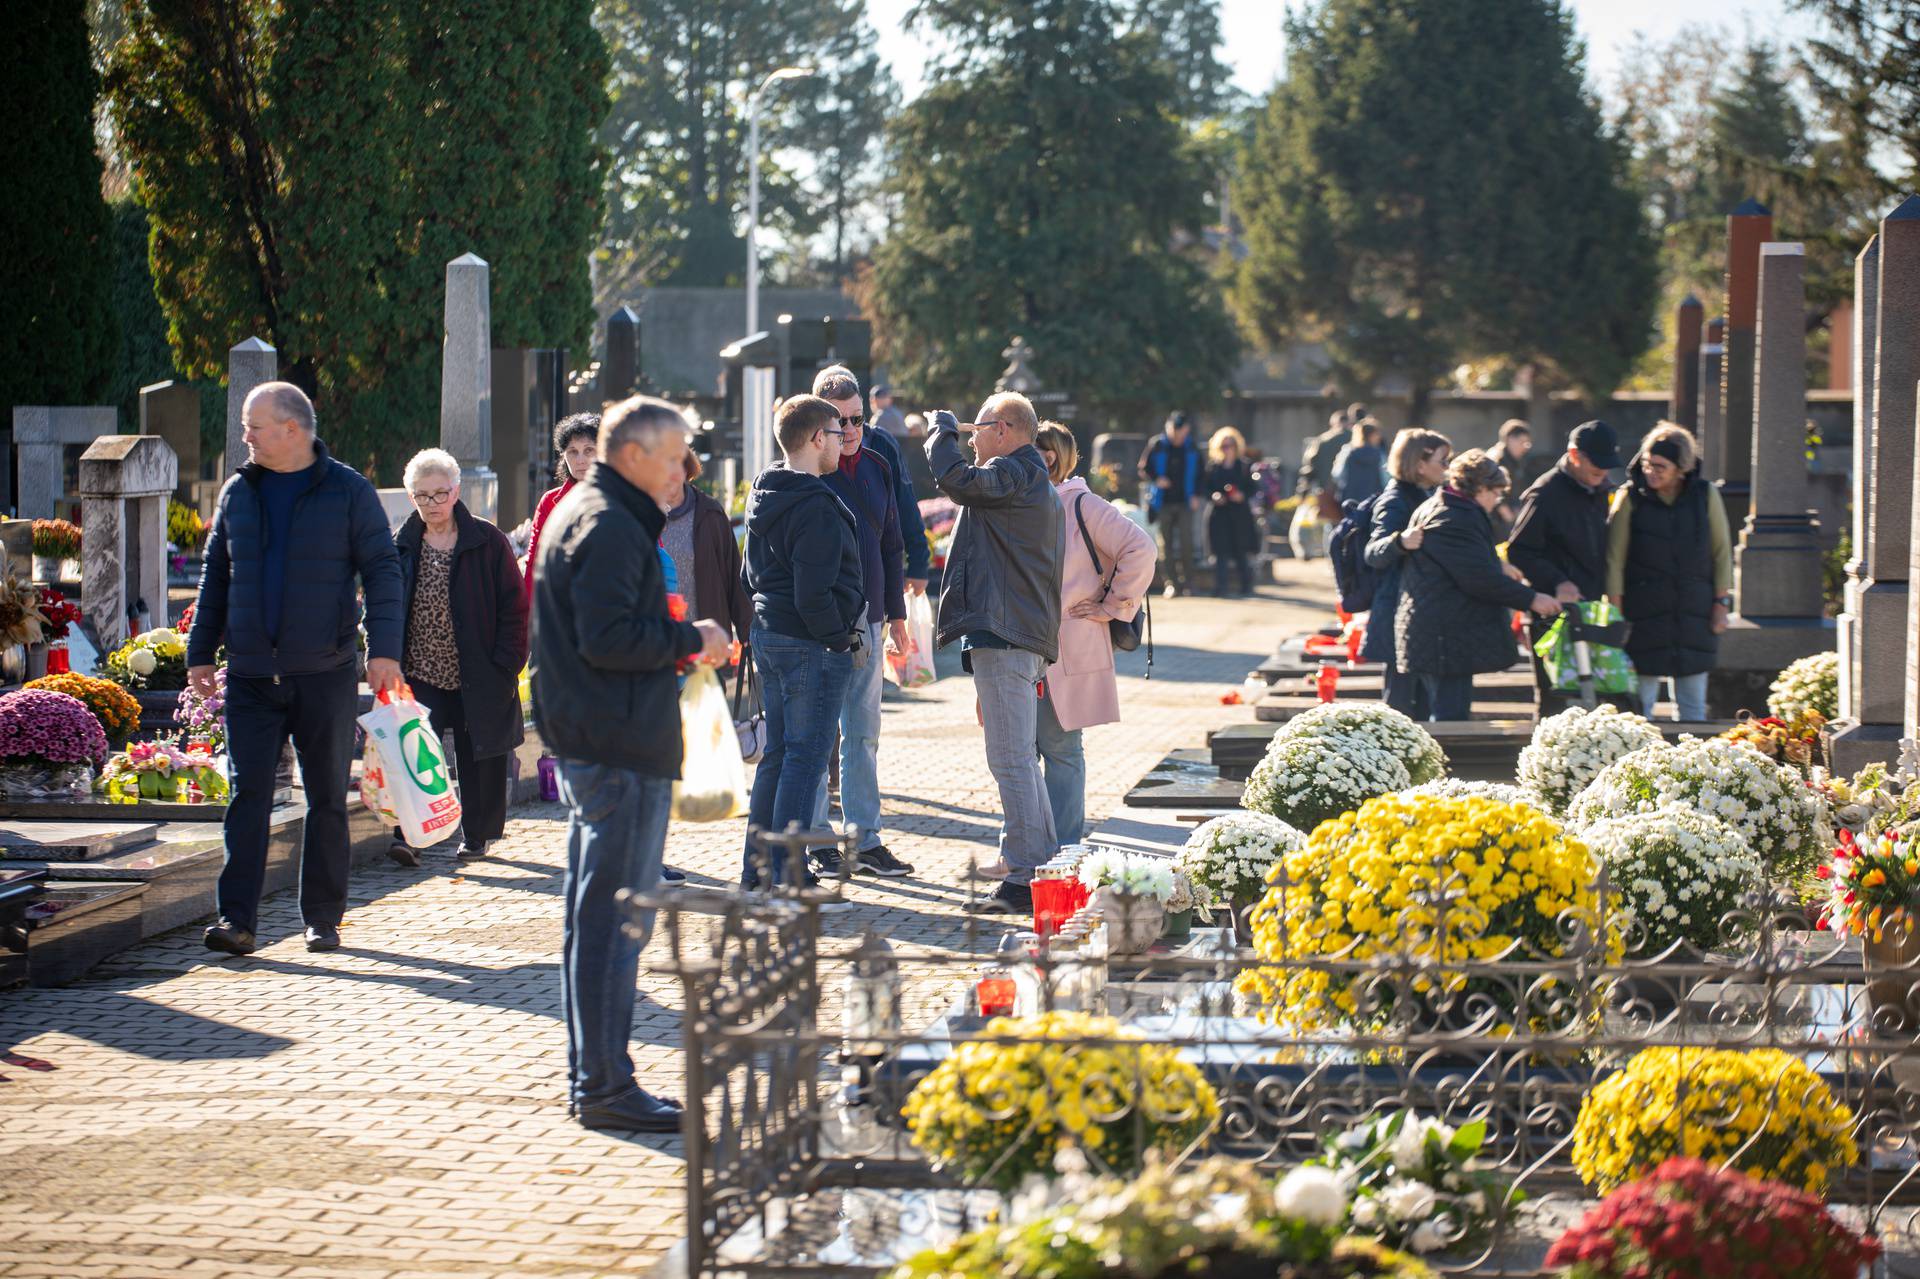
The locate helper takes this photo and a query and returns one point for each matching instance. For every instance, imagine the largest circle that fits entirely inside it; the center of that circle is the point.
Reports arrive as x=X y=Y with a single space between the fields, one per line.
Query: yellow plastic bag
x=713 y=779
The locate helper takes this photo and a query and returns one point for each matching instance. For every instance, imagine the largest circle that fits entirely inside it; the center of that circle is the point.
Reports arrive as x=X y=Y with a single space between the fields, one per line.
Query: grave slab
x=79 y=923
x=70 y=841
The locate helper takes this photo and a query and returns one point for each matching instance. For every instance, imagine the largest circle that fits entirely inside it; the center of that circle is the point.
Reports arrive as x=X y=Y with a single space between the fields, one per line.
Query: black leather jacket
x=1003 y=569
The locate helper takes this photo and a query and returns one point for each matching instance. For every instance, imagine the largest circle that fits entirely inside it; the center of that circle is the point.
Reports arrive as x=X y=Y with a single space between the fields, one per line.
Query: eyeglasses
x=433 y=499
x=854 y=422
x=827 y=430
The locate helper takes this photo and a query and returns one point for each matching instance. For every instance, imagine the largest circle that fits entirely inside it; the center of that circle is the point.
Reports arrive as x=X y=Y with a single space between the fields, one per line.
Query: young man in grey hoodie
x=804 y=570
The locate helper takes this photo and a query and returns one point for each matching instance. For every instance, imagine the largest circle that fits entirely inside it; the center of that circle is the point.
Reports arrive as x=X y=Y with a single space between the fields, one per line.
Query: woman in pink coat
x=1081 y=689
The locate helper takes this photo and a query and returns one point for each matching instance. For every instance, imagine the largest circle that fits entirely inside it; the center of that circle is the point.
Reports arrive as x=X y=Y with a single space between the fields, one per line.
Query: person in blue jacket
x=1418 y=465
x=1172 y=468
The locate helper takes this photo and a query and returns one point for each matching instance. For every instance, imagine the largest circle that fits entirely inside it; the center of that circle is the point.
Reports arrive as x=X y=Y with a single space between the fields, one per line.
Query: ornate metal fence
x=799 y=1160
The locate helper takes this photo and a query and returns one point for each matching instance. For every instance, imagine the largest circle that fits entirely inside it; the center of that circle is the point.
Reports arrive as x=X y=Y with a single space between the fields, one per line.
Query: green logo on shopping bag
x=423 y=759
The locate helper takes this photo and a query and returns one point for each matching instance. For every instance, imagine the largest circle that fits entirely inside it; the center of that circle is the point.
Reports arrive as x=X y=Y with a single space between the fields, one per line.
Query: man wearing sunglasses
x=870 y=487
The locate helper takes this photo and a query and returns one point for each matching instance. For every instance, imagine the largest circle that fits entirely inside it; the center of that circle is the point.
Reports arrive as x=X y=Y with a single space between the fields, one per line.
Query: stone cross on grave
x=1017 y=377
x=125 y=481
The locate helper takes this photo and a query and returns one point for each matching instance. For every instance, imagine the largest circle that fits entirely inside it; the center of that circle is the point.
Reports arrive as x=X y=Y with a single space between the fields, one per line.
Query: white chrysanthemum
x=1124 y=872
x=1570 y=749
x=1306 y=780
x=1810 y=684
x=1379 y=724
x=1458 y=788
x=1782 y=819
x=1314 y=1195
x=1407 y=1201
x=1229 y=856
x=1679 y=872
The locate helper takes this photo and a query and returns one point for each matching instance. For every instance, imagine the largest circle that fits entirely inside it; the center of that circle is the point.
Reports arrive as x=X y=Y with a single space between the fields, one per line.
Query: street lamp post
x=753 y=189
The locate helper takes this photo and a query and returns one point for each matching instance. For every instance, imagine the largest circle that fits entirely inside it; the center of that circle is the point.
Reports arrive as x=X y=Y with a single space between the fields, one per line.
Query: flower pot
x=1893 y=970
x=36 y=661
x=1179 y=925
x=1134 y=922
x=1241 y=907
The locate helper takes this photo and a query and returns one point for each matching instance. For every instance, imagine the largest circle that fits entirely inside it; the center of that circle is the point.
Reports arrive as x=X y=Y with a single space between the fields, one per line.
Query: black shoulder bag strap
x=1106 y=581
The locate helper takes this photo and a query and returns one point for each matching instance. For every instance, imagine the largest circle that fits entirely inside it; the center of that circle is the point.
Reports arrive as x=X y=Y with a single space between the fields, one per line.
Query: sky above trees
x=1255 y=49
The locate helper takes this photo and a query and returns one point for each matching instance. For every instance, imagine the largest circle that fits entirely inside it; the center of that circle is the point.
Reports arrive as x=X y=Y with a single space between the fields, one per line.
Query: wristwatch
x=1724 y=601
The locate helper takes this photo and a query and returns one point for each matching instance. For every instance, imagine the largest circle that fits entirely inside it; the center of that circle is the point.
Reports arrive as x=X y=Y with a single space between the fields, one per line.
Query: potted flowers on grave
x=1417 y=1183
x=56 y=547
x=1680 y=875
x=1811 y=684
x=1689 y=1218
x=203 y=716
x=1380 y=726
x=1781 y=817
x=1306 y=780
x=1762 y=1111
x=60 y=613
x=1217 y=1218
x=152 y=661
x=1131 y=892
x=185 y=531
x=1873 y=893
x=1228 y=858
x=1002 y=1105
x=50 y=744
x=22 y=628
x=113 y=706
x=1570 y=749
x=1405 y=897
x=1794 y=741
x=162 y=771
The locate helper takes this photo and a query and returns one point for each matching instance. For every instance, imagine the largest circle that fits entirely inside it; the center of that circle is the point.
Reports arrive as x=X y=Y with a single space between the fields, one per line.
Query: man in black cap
x=1559 y=539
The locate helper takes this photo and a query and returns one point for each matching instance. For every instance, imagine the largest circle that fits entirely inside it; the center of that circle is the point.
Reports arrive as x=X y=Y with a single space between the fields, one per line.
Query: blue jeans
x=1066 y=768
x=802 y=686
x=1006 y=682
x=616 y=833
x=1689 y=694
x=859 y=750
x=1450 y=696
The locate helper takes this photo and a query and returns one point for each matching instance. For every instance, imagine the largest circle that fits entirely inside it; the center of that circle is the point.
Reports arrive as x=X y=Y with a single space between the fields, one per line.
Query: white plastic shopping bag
x=914 y=668
x=405 y=771
x=713 y=779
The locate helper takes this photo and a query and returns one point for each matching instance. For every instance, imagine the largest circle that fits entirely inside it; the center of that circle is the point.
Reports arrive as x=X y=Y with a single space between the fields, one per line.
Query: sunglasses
x=854 y=422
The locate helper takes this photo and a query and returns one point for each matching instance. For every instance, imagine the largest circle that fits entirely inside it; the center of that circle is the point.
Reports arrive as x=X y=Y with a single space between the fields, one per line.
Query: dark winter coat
x=913 y=531
x=1231 y=530
x=605 y=649
x=487 y=597
x=341 y=548
x=1454 y=596
x=1183 y=464
x=1560 y=534
x=1395 y=507
x=1669 y=588
x=718 y=591
x=1003 y=569
x=871 y=494
x=803 y=558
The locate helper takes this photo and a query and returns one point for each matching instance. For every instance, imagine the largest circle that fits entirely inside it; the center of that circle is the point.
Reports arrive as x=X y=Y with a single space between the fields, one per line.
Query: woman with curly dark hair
x=576 y=439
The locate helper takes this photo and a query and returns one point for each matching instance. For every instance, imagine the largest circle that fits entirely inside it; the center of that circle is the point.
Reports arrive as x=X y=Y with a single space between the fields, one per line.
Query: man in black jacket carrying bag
x=608 y=705
x=1559 y=538
x=294 y=534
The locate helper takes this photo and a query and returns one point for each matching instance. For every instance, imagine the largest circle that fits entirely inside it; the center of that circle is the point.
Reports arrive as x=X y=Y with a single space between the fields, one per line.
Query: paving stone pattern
x=397 y=1108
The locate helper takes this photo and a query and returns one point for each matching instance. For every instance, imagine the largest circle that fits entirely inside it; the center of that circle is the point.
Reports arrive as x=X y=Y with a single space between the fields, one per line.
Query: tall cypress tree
x=310 y=166
x=1432 y=183
x=1046 y=191
x=57 y=327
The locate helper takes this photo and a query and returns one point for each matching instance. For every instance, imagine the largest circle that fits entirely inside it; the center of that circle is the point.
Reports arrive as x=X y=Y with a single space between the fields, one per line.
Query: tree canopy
x=1432 y=184
x=310 y=166
x=1046 y=189
x=58 y=332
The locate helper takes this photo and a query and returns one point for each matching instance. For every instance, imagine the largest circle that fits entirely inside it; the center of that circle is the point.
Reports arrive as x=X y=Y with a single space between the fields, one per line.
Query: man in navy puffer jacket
x=295 y=541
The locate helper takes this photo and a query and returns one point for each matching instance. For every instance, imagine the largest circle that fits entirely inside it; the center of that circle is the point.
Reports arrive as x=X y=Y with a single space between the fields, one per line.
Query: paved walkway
x=396 y=1108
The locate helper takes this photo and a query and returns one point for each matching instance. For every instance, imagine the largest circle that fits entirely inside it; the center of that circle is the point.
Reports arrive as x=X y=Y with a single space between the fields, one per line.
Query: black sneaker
x=827 y=863
x=229 y=938
x=881 y=861
x=323 y=937
x=1008 y=899
x=472 y=852
x=668 y=875
x=402 y=853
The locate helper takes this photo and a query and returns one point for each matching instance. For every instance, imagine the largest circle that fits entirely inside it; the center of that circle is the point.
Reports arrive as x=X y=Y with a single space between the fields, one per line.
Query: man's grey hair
x=642 y=420
x=283 y=402
x=431 y=462
x=836 y=382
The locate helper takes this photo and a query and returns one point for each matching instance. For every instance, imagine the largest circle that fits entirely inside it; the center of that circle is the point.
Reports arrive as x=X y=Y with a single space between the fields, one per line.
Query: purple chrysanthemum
x=42 y=724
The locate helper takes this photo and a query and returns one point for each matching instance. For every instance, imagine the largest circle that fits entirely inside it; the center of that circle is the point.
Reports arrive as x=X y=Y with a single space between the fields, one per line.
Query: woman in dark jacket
x=577 y=442
x=465 y=642
x=1455 y=594
x=1670 y=569
x=706 y=558
x=1418 y=463
x=1233 y=536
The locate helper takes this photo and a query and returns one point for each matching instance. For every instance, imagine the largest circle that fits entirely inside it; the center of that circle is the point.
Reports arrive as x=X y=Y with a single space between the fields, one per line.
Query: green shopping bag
x=1612 y=668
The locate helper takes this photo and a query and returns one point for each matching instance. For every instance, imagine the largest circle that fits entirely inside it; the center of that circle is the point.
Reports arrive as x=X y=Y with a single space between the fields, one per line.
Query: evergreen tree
x=1432 y=184
x=1045 y=191
x=1188 y=32
x=309 y=167
x=1866 y=73
x=57 y=328
x=682 y=71
x=1756 y=131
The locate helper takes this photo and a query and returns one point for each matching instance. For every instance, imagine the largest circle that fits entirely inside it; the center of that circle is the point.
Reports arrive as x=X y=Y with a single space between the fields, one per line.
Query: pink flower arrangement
x=1691 y=1218
x=38 y=725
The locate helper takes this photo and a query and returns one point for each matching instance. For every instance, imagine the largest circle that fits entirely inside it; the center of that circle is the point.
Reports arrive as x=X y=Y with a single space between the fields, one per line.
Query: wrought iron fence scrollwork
x=806 y=1162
